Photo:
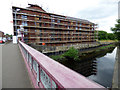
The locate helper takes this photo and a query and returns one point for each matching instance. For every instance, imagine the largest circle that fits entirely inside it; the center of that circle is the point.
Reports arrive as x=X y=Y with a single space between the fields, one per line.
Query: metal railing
x=47 y=73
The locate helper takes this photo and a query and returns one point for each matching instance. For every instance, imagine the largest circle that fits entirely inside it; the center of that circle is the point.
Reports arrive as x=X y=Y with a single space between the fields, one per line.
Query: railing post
x=27 y=56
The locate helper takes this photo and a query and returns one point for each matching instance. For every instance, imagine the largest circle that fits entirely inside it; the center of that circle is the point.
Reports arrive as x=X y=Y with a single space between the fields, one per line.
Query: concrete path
x=14 y=73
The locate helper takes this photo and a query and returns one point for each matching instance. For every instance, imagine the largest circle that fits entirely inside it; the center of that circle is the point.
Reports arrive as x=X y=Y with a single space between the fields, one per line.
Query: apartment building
x=43 y=28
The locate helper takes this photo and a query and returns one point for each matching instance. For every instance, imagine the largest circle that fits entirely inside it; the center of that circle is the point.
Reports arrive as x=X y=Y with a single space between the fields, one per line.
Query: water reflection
x=98 y=68
x=105 y=67
x=85 y=68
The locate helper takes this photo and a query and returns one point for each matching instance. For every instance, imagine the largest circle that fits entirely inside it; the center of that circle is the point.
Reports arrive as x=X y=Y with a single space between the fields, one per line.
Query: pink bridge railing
x=45 y=72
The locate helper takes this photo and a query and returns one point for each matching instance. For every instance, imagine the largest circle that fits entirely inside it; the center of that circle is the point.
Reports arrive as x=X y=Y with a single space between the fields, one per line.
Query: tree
x=102 y=35
x=116 y=30
x=110 y=36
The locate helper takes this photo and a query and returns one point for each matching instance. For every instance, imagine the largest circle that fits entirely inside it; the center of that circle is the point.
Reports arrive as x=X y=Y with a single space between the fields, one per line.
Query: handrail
x=47 y=73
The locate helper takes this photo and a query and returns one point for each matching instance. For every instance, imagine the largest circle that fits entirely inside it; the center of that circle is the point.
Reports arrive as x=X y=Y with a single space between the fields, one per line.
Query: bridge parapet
x=47 y=73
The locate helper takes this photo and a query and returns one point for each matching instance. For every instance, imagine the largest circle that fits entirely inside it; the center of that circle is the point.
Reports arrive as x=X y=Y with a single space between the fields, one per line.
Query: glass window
x=52 y=25
x=58 y=21
x=24 y=23
x=52 y=20
x=80 y=24
x=68 y=27
x=40 y=17
x=76 y=23
x=25 y=31
x=24 y=17
x=76 y=28
x=40 y=24
x=35 y=23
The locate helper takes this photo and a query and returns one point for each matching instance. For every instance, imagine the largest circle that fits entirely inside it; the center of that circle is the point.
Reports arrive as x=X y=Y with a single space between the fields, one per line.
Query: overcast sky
x=102 y=12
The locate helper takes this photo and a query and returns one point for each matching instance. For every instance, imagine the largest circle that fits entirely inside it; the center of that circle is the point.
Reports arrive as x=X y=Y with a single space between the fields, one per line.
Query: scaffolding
x=52 y=29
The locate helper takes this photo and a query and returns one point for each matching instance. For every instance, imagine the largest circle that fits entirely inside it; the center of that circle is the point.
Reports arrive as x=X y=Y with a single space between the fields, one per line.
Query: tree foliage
x=71 y=54
x=116 y=29
x=103 y=35
x=110 y=36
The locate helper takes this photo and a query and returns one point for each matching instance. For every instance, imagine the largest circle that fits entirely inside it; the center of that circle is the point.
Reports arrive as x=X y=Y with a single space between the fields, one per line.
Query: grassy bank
x=108 y=40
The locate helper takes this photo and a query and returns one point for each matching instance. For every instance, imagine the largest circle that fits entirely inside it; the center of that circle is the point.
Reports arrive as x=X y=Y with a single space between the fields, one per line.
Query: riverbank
x=84 y=54
x=98 y=62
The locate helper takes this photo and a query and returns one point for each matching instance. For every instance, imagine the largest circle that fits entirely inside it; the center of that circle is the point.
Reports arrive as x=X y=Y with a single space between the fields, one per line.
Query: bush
x=71 y=54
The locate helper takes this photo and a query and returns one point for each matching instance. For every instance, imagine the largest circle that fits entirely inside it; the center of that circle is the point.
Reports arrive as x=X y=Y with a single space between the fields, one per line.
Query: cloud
x=92 y=10
x=104 y=14
x=98 y=12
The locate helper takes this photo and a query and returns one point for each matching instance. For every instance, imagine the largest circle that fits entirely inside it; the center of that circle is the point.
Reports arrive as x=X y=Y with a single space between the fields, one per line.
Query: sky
x=102 y=12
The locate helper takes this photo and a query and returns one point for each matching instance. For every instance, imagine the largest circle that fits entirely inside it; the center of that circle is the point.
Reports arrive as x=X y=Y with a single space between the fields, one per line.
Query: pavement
x=14 y=72
x=116 y=75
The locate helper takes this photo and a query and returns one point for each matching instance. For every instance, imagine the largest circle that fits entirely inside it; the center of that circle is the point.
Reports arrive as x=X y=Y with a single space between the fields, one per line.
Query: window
x=68 y=27
x=44 y=24
x=76 y=28
x=40 y=17
x=25 y=30
x=40 y=24
x=80 y=24
x=58 y=21
x=76 y=23
x=52 y=25
x=24 y=17
x=40 y=34
x=24 y=23
x=35 y=23
x=52 y=20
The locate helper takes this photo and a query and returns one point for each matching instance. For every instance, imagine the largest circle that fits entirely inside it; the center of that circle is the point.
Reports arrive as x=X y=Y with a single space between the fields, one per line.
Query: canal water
x=105 y=68
x=99 y=69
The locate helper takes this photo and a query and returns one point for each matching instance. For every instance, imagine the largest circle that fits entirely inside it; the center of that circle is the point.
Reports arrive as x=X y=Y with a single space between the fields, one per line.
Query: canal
x=105 y=68
x=99 y=68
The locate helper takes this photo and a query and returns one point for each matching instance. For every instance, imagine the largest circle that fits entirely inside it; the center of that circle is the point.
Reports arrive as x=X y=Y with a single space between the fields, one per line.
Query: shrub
x=71 y=54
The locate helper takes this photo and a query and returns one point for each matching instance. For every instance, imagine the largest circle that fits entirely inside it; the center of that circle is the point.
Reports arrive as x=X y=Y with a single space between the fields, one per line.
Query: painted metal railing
x=45 y=72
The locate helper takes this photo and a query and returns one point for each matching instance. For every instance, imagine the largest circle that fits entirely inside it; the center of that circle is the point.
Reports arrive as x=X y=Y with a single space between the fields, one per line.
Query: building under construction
x=43 y=28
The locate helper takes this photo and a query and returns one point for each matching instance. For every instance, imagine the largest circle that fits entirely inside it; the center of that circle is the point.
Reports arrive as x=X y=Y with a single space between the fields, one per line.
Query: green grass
x=104 y=47
x=108 y=40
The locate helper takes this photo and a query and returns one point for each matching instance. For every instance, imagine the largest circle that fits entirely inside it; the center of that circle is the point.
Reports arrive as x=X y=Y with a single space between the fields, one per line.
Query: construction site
x=49 y=32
